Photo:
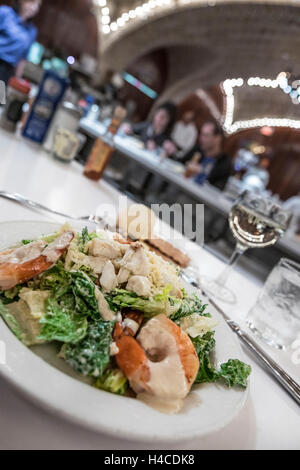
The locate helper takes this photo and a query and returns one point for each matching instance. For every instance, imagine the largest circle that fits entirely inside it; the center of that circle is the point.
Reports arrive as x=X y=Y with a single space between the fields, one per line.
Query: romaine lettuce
x=71 y=303
x=113 y=381
x=234 y=372
x=10 y=296
x=160 y=303
x=61 y=324
x=91 y=356
x=12 y=323
x=189 y=305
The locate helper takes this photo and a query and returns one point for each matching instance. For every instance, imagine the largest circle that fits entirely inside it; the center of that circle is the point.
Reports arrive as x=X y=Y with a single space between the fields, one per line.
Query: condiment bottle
x=104 y=148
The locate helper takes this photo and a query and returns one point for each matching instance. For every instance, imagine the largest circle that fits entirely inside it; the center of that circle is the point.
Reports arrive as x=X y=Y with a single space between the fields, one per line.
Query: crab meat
x=108 y=279
x=105 y=248
x=140 y=285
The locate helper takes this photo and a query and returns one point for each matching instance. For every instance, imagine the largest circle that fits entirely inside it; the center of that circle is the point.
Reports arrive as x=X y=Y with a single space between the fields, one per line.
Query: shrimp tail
x=15 y=269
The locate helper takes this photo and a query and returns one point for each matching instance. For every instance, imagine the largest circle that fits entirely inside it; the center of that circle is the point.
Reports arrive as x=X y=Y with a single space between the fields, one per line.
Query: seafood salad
x=118 y=312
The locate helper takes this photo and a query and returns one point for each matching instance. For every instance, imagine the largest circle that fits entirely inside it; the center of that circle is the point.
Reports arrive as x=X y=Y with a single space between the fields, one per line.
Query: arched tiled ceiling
x=235 y=39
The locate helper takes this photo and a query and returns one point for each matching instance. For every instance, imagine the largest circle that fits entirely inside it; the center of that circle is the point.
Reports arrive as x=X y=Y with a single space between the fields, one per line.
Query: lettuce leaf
x=73 y=290
x=113 y=381
x=204 y=346
x=10 y=296
x=84 y=238
x=160 y=303
x=235 y=372
x=232 y=373
x=12 y=323
x=61 y=324
x=26 y=242
x=189 y=306
x=91 y=356
x=71 y=304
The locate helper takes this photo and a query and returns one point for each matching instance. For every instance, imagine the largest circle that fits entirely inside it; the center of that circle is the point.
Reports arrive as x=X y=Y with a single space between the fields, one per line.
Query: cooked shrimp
x=160 y=364
x=24 y=263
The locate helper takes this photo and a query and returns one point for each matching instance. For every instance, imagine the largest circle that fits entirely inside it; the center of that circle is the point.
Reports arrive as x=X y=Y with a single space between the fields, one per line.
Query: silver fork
x=23 y=201
x=96 y=219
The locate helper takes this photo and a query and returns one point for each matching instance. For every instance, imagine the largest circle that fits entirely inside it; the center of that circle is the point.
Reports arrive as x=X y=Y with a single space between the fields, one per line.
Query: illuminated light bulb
x=106 y=29
x=71 y=60
x=281 y=75
x=139 y=11
x=120 y=22
x=114 y=26
x=105 y=11
x=105 y=19
x=125 y=16
x=132 y=14
x=101 y=3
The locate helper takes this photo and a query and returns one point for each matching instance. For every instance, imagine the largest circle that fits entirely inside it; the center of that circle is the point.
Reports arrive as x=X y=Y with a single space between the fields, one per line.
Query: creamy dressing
x=114 y=350
x=167 y=386
x=24 y=253
x=132 y=325
x=104 y=310
x=163 y=405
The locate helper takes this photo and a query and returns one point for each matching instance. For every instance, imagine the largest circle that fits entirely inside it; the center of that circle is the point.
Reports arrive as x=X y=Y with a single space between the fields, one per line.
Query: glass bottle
x=103 y=148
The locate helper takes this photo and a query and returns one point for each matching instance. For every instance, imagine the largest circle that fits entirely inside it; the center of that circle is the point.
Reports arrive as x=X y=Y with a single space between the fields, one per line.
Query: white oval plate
x=207 y=409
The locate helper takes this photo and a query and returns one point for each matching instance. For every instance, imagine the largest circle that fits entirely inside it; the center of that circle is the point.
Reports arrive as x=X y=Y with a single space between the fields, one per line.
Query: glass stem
x=238 y=252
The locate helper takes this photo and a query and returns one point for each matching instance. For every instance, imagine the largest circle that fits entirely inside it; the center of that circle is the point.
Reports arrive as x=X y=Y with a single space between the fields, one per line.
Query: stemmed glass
x=256 y=222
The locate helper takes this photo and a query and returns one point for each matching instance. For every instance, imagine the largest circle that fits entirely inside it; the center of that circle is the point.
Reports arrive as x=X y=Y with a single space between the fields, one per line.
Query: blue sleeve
x=5 y=12
x=33 y=35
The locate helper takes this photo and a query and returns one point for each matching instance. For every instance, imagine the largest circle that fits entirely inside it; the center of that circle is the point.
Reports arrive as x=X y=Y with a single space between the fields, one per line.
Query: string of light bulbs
x=228 y=122
x=142 y=11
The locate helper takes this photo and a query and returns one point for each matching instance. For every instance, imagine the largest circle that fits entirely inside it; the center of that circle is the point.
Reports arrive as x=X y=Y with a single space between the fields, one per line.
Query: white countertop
x=270 y=418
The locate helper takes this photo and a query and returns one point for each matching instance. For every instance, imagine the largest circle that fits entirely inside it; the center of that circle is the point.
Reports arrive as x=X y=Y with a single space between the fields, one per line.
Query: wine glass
x=256 y=222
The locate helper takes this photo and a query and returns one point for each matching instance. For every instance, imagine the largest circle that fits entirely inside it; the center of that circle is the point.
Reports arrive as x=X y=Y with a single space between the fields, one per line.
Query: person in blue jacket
x=17 y=33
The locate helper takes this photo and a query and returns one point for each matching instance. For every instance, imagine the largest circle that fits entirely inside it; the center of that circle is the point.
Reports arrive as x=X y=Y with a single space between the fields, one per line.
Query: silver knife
x=282 y=377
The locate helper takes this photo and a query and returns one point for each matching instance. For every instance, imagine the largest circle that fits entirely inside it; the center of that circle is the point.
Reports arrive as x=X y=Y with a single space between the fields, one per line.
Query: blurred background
x=227 y=70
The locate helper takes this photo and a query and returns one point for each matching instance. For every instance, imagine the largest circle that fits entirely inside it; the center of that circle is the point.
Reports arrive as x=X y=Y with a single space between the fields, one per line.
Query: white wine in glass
x=256 y=222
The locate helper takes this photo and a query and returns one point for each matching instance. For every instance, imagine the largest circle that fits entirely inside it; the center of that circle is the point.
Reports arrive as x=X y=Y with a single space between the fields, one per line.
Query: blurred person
x=207 y=160
x=185 y=134
x=17 y=34
x=156 y=133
